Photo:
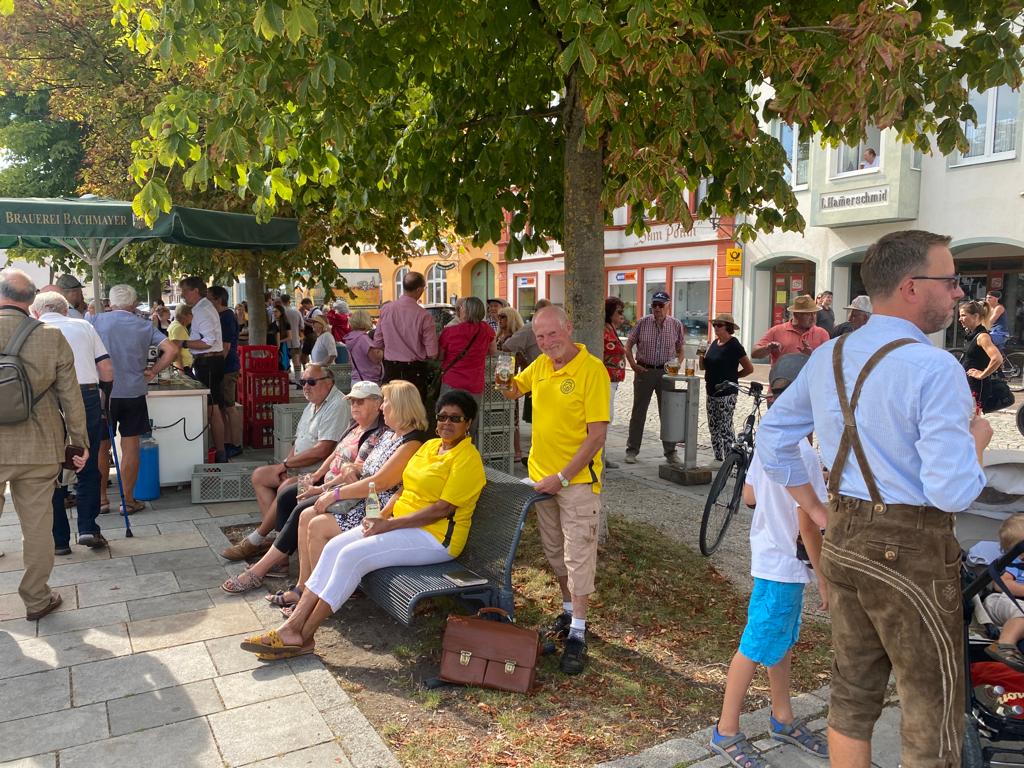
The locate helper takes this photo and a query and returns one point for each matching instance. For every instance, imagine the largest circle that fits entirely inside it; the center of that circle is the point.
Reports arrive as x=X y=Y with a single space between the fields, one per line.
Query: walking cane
x=117 y=468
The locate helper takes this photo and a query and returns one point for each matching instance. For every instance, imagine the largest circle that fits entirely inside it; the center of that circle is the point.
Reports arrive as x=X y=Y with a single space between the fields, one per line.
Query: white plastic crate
x=505 y=463
x=282 y=448
x=286 y=419
x=223 y=482
x=495 y=442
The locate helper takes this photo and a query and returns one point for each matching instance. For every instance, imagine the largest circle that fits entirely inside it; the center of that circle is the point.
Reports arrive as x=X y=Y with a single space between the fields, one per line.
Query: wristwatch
x=562 y=479
x=184 y=344
x=285 y=464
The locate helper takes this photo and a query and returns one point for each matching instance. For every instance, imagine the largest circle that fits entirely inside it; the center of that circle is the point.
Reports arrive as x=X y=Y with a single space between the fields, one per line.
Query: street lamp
x=714 y=219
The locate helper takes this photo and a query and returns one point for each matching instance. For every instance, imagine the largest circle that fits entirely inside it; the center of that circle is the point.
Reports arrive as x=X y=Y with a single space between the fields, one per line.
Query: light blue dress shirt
x=913 y=419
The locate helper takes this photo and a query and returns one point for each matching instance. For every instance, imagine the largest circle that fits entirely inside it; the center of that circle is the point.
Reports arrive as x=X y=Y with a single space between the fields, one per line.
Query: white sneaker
x=674 y=460
x=631 y=458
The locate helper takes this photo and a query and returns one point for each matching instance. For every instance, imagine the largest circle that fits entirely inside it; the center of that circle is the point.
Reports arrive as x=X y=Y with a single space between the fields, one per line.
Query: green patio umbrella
x=95 y=228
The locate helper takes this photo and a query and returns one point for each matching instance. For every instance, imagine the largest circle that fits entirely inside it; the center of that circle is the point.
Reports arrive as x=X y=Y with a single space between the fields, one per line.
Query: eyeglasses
x=311 y=382
x=442 y=417
x=952 y=281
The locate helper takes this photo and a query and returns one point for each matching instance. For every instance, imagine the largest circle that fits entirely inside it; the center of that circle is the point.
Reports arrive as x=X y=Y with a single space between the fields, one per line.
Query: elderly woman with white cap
x=724 y=360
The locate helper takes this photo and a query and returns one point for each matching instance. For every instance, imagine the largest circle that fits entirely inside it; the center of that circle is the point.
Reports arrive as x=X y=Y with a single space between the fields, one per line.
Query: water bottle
x=372 y=505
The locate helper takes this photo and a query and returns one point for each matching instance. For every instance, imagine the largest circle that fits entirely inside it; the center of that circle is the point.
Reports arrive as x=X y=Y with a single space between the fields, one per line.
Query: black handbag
x=995 y=393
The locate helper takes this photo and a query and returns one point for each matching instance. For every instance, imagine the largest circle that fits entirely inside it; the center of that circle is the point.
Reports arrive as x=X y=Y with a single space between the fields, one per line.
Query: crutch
x=117 y=469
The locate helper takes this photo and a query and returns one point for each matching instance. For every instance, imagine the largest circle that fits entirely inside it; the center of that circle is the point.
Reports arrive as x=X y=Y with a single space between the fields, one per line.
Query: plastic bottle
x=372 y=505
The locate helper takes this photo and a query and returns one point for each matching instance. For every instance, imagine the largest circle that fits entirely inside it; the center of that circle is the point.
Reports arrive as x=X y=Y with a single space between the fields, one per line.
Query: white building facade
x=850 y=198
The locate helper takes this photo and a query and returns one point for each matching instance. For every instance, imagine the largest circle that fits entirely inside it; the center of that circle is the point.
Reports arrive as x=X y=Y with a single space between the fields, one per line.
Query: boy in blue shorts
x=773 y=617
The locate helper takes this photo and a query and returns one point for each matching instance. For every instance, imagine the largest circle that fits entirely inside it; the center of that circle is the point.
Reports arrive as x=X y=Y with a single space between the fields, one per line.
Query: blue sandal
x=799 y=735
x=737 y=750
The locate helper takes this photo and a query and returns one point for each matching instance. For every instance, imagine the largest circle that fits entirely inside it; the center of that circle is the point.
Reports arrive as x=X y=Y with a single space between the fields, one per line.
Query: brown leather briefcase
x=489 y=654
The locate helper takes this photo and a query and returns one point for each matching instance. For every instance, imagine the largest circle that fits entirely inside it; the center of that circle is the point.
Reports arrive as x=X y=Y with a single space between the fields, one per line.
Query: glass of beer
x=503 y=372
x=672 y=367
x=690 y=365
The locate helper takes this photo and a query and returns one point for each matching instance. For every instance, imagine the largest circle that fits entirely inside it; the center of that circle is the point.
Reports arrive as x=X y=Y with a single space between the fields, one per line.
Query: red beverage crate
x=258 y=359
x=258 y=412
x=259 y=434
x=264 y=388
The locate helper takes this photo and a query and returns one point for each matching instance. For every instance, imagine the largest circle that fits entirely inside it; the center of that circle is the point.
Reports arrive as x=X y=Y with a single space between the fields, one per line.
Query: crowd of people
x=394 y=477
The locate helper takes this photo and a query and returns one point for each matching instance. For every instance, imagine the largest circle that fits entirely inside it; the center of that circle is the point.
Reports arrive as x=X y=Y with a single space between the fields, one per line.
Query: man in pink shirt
x=798 y=334
x=405 y=338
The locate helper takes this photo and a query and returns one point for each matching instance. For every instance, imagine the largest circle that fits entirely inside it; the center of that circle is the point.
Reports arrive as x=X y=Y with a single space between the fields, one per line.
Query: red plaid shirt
x=655 y=346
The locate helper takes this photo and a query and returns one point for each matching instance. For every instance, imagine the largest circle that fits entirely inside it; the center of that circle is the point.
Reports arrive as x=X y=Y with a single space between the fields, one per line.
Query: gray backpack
x=16 y=400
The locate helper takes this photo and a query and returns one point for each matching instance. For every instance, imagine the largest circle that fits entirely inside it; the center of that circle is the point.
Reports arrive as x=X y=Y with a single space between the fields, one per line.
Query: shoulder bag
x=434 y=386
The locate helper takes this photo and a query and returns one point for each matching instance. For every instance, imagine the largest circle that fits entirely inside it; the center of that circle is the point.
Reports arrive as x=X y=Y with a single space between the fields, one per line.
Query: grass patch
x=665 y=625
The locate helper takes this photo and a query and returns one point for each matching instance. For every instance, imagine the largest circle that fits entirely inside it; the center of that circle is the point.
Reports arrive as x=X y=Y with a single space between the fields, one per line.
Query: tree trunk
x=155 y=290
x=583 y=229
x=255 y=286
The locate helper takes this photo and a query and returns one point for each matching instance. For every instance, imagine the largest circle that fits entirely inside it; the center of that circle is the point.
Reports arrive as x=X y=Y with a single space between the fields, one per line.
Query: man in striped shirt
x=655 y=340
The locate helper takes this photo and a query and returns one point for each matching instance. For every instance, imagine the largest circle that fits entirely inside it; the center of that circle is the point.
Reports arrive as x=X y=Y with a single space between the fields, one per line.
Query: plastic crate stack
x=497 y=425
x=286 y=420
x=342 y=376
x=260 y=386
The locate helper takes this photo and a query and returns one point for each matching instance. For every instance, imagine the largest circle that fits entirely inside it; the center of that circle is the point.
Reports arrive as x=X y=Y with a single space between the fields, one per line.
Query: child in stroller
x=995 y=691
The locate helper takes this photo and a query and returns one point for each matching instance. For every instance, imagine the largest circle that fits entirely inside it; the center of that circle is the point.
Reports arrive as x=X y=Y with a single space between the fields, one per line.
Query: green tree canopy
x=41 y=156
x=452 y=113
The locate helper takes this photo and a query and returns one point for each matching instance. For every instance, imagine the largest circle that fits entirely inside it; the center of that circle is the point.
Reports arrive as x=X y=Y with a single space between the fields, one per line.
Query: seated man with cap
x=860 y=313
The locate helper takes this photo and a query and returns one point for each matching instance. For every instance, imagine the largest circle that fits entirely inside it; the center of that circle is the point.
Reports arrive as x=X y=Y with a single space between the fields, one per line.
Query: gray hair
x=314 y=367
x=181 y=311
x=16 y=286
x=122 y=296
x=474 y=309
x=552 y=309
x=50 y=301
x=360 y=320
x=895 y=257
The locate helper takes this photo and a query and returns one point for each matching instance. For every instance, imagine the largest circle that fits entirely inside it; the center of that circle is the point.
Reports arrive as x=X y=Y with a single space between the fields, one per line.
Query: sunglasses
x=311 y=382
x=657 y=304
x=442 y=417
x=952 y=281
x=720 y=325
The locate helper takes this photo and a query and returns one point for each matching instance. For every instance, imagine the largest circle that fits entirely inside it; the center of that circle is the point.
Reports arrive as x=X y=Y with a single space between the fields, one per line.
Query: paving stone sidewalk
x=141 y=665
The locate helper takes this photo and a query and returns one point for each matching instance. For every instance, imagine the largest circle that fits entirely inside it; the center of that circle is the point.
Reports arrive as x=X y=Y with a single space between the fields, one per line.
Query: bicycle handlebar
x=753 y=388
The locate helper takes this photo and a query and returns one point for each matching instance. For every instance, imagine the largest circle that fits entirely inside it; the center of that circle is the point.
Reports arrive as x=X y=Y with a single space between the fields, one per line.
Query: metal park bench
x=489 y=552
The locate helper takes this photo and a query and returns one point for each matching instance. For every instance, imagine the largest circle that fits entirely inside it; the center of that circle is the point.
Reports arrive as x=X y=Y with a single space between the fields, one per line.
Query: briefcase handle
x=500 y=614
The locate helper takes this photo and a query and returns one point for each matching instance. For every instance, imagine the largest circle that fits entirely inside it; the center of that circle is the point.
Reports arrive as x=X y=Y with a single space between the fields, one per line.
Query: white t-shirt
x=774 y=529
x=206 y=327
x=328 y=422
x=85 y=342
x=296 y=323
x=324 y=349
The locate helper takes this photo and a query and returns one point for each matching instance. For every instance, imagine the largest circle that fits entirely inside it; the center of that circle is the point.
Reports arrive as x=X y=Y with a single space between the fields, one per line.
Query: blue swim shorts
x=773 y=621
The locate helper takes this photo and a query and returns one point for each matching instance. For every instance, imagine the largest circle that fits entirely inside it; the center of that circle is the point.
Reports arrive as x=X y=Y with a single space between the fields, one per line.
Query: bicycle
x=728 y=482
x=1013 y=370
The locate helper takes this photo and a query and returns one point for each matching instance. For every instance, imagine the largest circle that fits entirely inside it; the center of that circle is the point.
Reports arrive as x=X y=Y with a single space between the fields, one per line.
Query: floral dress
x=350 y=515
x=614 y=354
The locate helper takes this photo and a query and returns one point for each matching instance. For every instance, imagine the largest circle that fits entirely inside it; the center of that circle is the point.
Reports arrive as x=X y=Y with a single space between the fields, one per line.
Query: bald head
x=549 y=313
x=16 y=289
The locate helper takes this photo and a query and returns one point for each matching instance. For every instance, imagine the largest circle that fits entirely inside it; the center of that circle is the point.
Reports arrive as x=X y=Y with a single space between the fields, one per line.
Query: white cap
x=863 y=303
x=364 y=389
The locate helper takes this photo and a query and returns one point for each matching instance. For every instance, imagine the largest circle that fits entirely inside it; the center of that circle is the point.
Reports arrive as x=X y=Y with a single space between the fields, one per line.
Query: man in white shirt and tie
x=900 y=467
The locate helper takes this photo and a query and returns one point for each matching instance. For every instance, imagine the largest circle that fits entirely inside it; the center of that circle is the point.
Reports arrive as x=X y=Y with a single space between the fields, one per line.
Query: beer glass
x=672 y=367
x=690 y=365
x=503 y=372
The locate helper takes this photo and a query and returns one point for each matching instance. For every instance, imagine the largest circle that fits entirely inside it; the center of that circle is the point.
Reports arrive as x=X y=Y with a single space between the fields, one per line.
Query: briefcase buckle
x=510 y=666
x=464 y=657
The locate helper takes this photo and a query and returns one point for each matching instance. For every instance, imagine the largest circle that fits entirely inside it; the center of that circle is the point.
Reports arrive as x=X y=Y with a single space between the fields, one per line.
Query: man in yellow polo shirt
x=571 y=391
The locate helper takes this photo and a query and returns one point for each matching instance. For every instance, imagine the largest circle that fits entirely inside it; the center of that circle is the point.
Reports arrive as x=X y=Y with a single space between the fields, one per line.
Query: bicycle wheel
x=722 y=503
x=1015 y=376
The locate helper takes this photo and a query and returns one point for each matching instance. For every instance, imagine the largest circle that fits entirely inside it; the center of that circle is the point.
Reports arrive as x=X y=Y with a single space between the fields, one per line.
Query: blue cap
x=659 y=297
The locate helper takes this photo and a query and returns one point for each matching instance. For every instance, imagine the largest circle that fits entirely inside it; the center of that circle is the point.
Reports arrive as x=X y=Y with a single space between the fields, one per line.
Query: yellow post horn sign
x=733 y=262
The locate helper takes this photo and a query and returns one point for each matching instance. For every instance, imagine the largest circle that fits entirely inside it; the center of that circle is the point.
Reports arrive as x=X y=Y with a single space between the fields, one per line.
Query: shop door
x=482 y=281
x=787 y=286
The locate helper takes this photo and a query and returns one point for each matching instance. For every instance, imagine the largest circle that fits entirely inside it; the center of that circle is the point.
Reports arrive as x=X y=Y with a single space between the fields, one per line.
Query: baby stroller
x=991 y=715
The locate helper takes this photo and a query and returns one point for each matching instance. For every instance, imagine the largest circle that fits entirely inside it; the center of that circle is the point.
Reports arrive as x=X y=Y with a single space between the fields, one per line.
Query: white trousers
x=350 y=556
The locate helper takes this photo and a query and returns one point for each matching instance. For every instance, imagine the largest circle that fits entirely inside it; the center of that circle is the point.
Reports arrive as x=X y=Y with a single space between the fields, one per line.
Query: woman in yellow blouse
x=426 y=522
x=178 y=332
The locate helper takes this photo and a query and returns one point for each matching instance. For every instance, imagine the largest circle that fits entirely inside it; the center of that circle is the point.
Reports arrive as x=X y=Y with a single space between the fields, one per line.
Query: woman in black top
x=981 y=358
x=725 y=360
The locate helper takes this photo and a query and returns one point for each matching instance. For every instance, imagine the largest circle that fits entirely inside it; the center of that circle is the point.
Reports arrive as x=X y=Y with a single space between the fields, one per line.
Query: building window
x=437 y=285
x=798 y=152
x=994 y=137
x=399 y=277
x=865 y=157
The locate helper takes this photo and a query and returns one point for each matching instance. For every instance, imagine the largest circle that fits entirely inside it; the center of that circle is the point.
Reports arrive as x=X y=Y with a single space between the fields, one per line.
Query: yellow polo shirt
x=564 y=402
x=456 y=477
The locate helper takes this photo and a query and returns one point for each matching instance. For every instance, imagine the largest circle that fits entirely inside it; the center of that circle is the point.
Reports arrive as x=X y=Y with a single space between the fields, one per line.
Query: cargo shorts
x=894 y=591
x=568 y=527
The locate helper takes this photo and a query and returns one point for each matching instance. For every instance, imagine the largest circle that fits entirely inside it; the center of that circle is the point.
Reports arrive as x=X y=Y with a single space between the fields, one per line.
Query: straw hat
x=804 y=304
x=863 y=303
x=725 y=317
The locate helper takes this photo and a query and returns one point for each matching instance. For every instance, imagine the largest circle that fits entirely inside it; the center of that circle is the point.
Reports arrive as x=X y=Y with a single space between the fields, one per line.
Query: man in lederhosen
x=897 y=428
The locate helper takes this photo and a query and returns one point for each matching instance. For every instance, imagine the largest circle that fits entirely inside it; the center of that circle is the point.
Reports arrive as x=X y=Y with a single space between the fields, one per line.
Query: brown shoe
x=54 y=604
x=245 y=550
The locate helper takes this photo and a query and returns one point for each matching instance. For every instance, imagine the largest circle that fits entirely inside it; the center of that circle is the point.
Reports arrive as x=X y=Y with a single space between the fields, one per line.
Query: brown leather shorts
x=894 y=577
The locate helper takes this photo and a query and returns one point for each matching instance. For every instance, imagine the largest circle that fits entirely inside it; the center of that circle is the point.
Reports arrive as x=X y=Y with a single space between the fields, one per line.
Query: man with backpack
x=37 y=384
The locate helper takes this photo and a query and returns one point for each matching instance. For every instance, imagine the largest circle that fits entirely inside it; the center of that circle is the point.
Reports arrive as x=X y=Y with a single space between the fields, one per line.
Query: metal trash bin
x=680 y=406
